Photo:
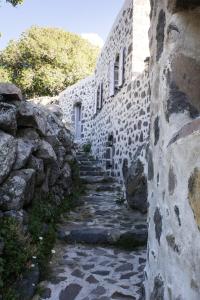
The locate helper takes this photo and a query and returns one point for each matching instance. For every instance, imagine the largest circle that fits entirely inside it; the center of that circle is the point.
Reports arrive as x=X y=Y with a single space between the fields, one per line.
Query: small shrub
x=120 y=200
x=17 y=254
x=87 y=148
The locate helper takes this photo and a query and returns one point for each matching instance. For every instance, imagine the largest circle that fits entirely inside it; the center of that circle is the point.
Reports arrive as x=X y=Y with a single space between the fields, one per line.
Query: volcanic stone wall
x=80 y=93
x=36 y=150
x=124 y=116
x=173 y=268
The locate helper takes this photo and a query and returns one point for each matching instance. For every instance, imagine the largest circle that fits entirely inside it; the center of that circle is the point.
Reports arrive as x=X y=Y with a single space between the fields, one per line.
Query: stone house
x=111 y=109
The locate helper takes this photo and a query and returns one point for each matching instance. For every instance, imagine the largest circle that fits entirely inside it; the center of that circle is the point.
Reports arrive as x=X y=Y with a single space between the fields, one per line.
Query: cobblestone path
x=92 y=261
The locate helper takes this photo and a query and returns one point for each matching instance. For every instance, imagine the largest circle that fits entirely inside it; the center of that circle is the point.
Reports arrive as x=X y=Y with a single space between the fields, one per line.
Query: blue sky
x=79 y=16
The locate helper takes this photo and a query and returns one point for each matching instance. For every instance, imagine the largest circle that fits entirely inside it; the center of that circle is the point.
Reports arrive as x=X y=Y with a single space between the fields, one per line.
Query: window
x=109 y=152
x=98 y=98
x=117 y=72
x=121 y=67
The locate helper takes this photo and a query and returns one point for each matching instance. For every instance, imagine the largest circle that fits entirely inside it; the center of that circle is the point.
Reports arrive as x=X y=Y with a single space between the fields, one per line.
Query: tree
x=46 y=60
x=15 y=2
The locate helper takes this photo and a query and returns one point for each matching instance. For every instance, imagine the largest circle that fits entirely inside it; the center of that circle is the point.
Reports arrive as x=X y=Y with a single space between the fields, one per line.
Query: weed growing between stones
x=87 y=148
x=17 y=253
x=120 y=200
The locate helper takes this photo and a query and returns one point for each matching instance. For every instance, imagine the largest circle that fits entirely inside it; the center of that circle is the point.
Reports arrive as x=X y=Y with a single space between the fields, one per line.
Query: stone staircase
x=102 y=250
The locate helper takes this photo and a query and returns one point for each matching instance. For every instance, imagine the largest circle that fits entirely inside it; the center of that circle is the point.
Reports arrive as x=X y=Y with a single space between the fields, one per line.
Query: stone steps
x=96 y=179
x=101 y=246
x=91 y=173
x=130 y=239
x=89 y=167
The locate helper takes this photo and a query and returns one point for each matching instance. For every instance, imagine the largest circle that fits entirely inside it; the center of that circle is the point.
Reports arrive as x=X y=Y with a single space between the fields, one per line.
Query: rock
x=132 y=239
x=26 y=287
x=31 y=116
x=99 y=291
x=7 y=154
x=65 y=177
x=55 y=109
x=57 y=147
x=17 y=190
x=125 y=267
x=70 y=292
x=55 y=127
x=89 y=236
x=10 y=92
x=8 y=122
x=136 y=187
x=38 y=165
x=160 y=33
x=158 y=290
x=46 y=153
x=91 y=279
x=157 y=218
x=24 y=150
x=121 y=296
x=29 y=135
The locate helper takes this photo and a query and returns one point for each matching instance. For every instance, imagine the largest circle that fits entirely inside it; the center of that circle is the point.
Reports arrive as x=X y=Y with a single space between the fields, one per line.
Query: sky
x=91 y=18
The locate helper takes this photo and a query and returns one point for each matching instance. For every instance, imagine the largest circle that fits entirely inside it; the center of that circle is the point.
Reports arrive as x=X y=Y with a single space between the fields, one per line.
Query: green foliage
x=18 y=250
x=44 y=215
x=4 y=75
x=20 y=246
x=120 y=200
x=15 y=2
x=47 y=60
x=87 y=147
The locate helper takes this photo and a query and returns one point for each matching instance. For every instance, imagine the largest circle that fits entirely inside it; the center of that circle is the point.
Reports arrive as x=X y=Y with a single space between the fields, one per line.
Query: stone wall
x=80 y=93
x=35 y=152
x=124 y=116
x=172 y=270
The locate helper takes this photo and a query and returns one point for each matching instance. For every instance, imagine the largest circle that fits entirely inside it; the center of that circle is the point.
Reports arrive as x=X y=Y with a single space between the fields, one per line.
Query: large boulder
x=10 y=92
x=17 y=191
x=24 y=150
x=8 y=121
x=31 y=116
x=55 y=109
x=66 y=178
x=38 y=165
x=57 y=147
x=55 y=127
x=30 y=136
x=7 y=154
x=46 y=152
x=136 y=187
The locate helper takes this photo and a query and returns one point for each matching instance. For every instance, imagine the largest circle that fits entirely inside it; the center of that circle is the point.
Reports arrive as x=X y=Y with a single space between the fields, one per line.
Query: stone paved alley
x=93 y=264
